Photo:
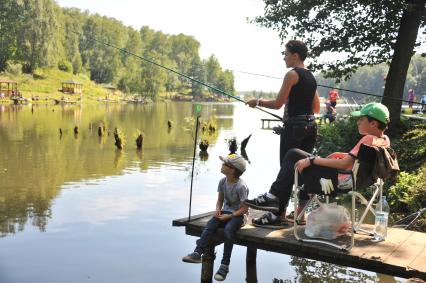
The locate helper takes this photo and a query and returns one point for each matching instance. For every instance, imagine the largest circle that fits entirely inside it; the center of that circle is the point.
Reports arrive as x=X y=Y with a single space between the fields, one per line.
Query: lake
x=75 y=209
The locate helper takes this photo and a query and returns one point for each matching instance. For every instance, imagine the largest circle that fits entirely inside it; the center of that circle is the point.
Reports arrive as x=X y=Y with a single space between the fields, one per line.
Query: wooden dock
x=268 y=121
x=403 y=253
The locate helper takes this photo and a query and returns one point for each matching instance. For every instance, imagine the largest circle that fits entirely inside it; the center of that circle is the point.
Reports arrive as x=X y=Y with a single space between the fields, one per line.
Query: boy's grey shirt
x=234 y=194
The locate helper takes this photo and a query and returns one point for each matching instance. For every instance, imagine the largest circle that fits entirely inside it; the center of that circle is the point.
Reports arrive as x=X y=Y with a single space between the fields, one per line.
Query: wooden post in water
x=251 y=272
x=101 y=130
x=139 y=141
x=207 y=264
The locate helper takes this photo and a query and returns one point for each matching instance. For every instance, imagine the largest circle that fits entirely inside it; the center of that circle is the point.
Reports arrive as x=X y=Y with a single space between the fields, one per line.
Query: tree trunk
x=405 y=41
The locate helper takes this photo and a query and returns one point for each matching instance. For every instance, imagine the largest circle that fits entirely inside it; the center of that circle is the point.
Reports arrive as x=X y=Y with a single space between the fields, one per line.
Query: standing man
x=333 y=95
x=299 y=93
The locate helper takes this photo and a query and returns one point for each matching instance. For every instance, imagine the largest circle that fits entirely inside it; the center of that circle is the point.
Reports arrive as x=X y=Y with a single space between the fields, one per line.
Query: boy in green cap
x=372 y=122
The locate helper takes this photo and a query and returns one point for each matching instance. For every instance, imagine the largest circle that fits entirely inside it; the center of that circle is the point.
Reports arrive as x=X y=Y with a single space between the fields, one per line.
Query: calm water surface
x=74 y=209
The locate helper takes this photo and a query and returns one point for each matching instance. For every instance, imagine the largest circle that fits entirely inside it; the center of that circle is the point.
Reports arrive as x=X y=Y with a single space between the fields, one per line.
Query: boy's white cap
x=234 y=160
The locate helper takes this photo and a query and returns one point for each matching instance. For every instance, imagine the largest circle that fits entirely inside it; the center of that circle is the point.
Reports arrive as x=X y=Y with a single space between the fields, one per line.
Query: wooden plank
x=408 y=251
x=363 y=241
x=383 y=249
x=184 y=221
x=419 y=262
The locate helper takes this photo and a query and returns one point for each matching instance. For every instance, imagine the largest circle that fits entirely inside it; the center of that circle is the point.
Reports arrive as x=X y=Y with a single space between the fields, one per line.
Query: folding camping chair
x=363 y=166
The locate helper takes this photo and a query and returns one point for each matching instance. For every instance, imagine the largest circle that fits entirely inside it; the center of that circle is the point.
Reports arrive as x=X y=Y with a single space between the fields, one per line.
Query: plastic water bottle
x=381 y=220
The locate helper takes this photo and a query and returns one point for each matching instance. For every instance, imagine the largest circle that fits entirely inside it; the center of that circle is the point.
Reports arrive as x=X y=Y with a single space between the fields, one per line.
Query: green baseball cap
x=374 y=110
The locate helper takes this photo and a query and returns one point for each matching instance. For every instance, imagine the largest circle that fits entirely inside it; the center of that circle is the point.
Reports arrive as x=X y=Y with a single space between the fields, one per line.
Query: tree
x=184 y=50
x=8 y=27
x=365 y=32
x=197 y=72
x=213 y=71
x=38 y=36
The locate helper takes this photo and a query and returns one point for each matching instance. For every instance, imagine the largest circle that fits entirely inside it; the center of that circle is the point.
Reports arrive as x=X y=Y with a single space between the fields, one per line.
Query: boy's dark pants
x=230 y=228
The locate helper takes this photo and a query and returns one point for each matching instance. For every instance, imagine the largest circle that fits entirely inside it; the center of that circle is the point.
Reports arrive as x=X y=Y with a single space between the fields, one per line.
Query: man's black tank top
x=302 y=94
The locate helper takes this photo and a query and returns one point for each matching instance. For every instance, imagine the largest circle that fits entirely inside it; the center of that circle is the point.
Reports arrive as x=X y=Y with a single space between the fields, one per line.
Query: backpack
x=386 y=163
x=376 y=162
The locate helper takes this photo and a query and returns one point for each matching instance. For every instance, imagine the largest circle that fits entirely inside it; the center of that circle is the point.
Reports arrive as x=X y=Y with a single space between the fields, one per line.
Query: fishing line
x=172 y=70
x=331 y=87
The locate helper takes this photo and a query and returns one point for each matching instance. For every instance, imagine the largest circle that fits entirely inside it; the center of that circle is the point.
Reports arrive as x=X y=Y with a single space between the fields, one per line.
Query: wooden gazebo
x=72 y=87
x=111 y=89
x=8 y=88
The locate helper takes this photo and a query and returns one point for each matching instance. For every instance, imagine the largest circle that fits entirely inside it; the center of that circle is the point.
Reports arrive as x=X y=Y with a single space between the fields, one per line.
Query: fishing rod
x=332 y=87
x=174 y=71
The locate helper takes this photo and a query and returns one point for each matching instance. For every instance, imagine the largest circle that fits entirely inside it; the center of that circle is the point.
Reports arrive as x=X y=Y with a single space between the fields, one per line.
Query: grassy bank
x=47 y=83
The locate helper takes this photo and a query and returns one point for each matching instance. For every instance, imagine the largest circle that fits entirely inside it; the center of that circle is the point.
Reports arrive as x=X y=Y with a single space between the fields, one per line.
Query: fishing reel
x=278 y=130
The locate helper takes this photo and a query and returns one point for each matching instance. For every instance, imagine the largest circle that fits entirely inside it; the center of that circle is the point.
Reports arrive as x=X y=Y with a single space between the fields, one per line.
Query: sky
x=220 y=26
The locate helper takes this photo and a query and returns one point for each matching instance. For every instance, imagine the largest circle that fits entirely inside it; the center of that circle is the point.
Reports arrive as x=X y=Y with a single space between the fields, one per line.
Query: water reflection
x=315 y=271
x=36 y=162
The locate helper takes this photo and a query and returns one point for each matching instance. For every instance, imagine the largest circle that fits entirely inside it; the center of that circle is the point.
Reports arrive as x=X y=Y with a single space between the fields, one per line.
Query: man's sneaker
x=263 y=202
x=268 y=220
x=221 y=272
x=192 y=258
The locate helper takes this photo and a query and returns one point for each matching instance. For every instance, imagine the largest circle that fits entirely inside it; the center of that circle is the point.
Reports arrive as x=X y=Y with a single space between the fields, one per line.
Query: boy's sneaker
x=192 y=258
x=221 y=272
x=263 y=202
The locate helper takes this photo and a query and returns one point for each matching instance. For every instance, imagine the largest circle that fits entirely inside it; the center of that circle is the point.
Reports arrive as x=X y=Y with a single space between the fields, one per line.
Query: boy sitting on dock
x=230 y=213
x=372 y=122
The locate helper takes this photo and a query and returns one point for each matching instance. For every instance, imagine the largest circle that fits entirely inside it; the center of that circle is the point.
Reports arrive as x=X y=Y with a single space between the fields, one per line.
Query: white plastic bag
x=328 y=221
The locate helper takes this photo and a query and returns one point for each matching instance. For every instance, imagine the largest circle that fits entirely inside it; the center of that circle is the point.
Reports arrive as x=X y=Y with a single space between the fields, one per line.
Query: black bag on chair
x=381 y=163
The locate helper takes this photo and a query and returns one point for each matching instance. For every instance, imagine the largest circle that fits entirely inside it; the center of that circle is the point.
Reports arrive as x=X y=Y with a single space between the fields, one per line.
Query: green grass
x=47 y=82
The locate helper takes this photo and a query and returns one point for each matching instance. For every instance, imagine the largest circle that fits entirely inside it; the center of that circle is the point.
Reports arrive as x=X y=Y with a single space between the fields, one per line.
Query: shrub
x=77 y=64
x=14 y=69
x=409 y=192
x=65 y=66
x=341 y=136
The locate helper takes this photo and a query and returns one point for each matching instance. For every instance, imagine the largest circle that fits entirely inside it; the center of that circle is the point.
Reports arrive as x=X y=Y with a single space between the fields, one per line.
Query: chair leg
x=369 y=207
x=296 y=189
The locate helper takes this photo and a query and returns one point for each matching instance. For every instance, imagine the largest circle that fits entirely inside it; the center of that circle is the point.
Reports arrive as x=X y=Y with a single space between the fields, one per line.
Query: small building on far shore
x=72 y=87
x=8 y=88
x=111 y=89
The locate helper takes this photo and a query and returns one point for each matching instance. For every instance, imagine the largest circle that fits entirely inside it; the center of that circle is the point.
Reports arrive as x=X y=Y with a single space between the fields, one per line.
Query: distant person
x=411 y=98
x=333 y=95
x=299 y=93
x=230 y=213
x=423 y=103
x=330 y=113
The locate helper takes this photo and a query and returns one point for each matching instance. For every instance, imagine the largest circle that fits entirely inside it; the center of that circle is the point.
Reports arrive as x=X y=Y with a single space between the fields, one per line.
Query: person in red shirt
x=333 y=95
